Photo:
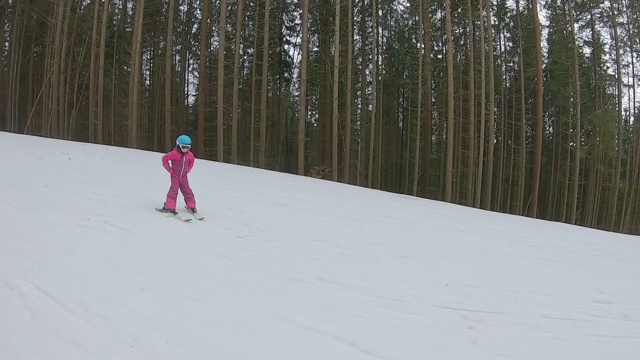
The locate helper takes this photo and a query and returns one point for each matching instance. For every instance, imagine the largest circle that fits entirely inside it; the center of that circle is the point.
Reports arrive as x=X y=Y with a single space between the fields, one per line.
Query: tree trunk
x=303 y=88
x=265 y=79
x=3 y=20
x=349 y=111
x=168 y=76
x=472 y=108
x=236 y=84
x=537 y=159
x=32 y=103
x=459 y=149
x=578 y=131
x=55 y=80
x=101 y=60
x=92 y=71
x=492 y=109
x=323 y=11
x=202 y=79
x=134 y=77
x=631 y=226
x=482 y=111
x=181 y=113
x=363 y=97
x=12 y=58
x=72 y=86
x=63 y=110
x=19 y=24
x=254 y=76
x=450 y=104
x=613 y=208
x=567 y=177
x=379 y=113
x=336 y=79
x=374 y=100
x=523 y=124
x=428 y=111
x=512 y=208
x=220 y=97
x=501 y=190
x=554 y=166
x=419 y=114
x=404 y=111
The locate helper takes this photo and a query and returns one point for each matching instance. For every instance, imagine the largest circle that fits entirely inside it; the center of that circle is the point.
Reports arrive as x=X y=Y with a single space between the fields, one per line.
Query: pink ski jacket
x=181 y=163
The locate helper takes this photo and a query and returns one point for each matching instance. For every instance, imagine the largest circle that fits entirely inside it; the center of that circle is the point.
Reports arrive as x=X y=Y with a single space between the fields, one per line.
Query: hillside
x=288 y=267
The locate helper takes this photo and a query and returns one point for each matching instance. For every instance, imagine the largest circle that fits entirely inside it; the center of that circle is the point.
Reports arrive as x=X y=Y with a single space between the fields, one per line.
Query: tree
x=482 y=110
x=168 y=75
x=3 y=20
x=537 y=158
x=419 y=113
x=374 y=100
x=263 y=93
x=632 y=35
x=363 y=85
x=472 y=104
x=323 y=143
x=254 y=76
x=93 y=70
x=303 y=87
x=492 y=108
x=55 y=81
x=220 y=97
x=63 y=109
x=349 y=94
x=428 y=110
x=202 y=78
x=13 y=56
x=616 y=175
x=236 y=84
x=578 y=131
x=336 y=79
x=101 y=72
x=523 y=125
x=450 y=104
x=135 y=76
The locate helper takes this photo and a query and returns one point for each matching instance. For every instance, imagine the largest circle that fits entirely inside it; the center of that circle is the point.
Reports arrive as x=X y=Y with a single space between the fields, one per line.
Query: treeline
x=512 y=106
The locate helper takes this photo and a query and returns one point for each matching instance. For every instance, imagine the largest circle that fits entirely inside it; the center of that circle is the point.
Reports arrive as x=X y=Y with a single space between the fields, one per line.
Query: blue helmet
x=183 y=140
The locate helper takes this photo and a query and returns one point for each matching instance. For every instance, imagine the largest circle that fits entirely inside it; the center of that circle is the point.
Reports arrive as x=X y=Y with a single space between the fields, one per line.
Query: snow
x=289 y=267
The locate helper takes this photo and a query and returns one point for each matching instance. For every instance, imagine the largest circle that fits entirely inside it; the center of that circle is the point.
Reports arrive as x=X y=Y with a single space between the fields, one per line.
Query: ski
x=174 y=215
x=195 y=215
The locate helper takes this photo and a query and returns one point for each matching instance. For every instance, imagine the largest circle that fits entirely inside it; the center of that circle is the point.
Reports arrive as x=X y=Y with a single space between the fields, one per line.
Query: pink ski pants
x=181 y=184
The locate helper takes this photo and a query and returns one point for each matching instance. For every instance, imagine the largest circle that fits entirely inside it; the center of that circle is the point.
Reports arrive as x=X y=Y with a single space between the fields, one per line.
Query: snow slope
x=287 y=267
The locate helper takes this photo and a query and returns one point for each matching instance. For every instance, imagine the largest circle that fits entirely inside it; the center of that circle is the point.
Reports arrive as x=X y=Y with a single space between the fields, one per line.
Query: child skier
x=182 y=160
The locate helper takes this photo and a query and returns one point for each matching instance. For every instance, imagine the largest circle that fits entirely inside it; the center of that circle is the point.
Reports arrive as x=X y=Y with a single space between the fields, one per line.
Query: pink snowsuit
x=181 y=165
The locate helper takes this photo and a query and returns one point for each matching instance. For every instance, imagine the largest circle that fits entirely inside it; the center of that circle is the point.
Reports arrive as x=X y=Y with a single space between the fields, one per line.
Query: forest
x=525 y=107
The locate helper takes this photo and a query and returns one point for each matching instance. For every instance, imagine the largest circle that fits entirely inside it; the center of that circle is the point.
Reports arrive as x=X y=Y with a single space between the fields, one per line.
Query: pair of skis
x=177 y=216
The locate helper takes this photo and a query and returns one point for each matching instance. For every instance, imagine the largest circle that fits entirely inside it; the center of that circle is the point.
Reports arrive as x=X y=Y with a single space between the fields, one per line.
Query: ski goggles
x=185 y=146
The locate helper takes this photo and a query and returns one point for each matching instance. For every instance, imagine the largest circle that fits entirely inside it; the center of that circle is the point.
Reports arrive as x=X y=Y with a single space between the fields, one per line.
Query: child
x=182 y=160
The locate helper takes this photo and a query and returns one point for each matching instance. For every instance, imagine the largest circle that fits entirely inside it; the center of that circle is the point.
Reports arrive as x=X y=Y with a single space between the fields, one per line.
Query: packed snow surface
x=289 y=267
